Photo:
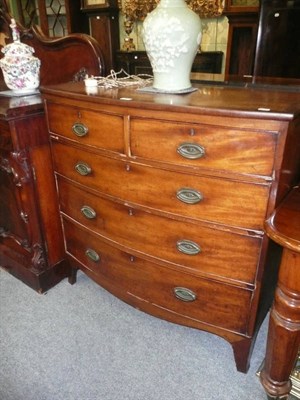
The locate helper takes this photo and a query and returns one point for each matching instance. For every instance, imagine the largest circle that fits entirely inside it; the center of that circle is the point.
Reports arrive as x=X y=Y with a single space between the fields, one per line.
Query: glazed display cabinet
x=56 y=18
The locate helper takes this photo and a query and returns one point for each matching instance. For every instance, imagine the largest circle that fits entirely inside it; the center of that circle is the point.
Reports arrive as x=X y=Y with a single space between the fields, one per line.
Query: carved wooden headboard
x=63 y=59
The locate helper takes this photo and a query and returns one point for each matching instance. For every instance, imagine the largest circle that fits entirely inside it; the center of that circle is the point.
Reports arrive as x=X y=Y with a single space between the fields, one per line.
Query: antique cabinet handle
x=88 y=212
x=184 y=294
x=83 y=168
x=80 y=129
x=189 y=196
x=92 y=255
x=188 y=247
x=191 y=151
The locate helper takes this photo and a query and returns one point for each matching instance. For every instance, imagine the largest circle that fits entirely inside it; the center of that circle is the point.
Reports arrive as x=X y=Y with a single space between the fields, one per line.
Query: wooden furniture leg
x=284 y=326
x=284 y=329
x=73 y=277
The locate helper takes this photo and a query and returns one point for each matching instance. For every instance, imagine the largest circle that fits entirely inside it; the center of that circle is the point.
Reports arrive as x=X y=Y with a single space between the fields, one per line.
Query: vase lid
x=16 y=48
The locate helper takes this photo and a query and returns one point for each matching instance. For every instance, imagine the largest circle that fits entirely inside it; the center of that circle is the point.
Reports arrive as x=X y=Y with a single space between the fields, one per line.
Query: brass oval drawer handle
x=191 y=151
x=188 y=247
x=92 y=255
x=184 y=294
x=80 y=129
x=189 y=196
x=83 y=168
x=88 y=212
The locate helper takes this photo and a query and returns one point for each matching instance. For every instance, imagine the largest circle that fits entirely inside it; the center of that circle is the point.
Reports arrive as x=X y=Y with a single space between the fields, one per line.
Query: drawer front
x=213 y=147
x=218 y=200
x=87 y=127
x=190 y=246
x=203 y=300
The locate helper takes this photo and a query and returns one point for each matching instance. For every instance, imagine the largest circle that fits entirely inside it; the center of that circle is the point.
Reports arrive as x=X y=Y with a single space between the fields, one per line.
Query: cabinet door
x=278 y=45
x=241 y=46
x=19 y=221
x=104 y=27
x=13 y=217
x=56 y=18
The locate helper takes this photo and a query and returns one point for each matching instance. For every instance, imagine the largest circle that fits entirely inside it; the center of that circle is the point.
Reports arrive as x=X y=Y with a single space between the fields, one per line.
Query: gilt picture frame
x=90 y=4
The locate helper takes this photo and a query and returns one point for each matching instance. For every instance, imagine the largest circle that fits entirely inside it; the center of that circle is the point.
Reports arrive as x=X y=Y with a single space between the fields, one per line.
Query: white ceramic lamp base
x=172 y=36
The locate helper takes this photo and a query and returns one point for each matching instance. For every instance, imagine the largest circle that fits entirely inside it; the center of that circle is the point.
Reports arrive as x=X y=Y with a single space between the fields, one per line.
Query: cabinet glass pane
x=56 y=15
x=29 y=12
x=49 y=14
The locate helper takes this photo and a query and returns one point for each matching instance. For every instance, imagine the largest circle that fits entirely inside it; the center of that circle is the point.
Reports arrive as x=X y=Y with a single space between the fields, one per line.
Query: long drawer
x=87 y=127
x=204 y=300
x=192 y=246
x=197 y=197
x=196 y=145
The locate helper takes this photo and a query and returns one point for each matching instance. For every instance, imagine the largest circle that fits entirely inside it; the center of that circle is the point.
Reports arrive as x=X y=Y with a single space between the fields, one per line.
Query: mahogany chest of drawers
x=163 y=198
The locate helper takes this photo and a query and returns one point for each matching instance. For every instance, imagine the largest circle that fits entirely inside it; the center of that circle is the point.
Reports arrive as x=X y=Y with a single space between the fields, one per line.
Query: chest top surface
x=265 y=103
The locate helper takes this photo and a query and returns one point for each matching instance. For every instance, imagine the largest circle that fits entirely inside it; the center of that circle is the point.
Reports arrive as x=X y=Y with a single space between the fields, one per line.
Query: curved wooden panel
x=64 y=57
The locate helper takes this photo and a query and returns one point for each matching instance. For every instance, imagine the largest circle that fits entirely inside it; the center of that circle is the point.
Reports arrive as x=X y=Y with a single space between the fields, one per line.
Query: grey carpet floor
x=81 y=343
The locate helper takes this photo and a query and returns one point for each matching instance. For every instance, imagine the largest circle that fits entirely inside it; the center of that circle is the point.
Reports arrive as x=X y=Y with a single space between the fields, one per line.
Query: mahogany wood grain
x=133 y=277
x=113 y=220
x=93 y=121
x=247 y=151
x=63 y=58
x=283 y=226
x=160 y=187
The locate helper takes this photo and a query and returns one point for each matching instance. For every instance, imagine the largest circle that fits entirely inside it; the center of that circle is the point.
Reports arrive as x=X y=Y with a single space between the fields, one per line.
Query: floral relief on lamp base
x=172 y=36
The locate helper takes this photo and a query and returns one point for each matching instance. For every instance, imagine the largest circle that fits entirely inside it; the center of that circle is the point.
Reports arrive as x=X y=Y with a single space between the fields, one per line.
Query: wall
x=214 y=35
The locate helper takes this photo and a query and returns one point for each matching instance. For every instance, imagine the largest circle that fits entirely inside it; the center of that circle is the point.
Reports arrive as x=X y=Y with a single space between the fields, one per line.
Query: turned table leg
x=284 y=329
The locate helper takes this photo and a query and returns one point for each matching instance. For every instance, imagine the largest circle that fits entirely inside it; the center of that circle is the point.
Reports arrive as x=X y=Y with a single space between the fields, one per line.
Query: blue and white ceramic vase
x=21 y=70
x=172 y=36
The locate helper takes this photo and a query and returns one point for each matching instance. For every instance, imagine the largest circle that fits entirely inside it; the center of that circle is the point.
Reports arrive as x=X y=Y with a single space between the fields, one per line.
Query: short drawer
x=213 y=147
x=181 y=294
x=191 y=246
x=197 y=197
x=87 y=127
